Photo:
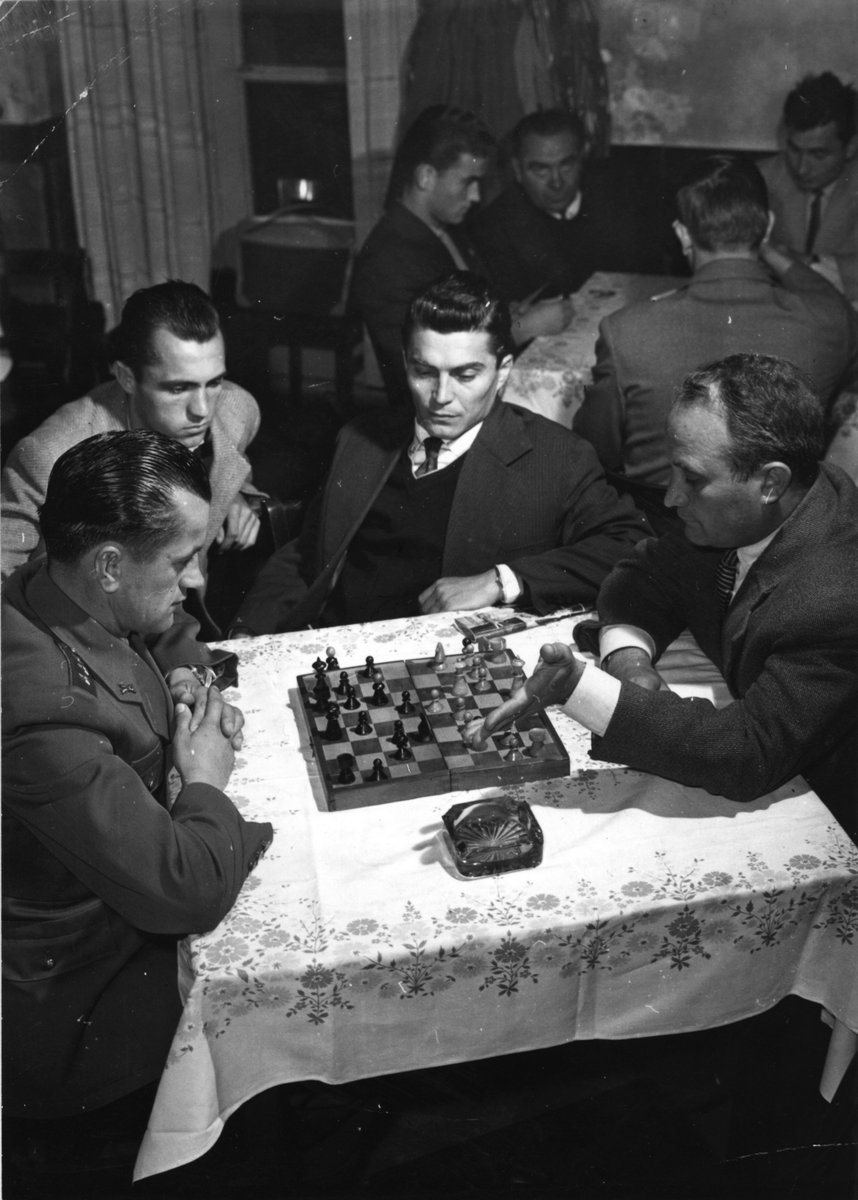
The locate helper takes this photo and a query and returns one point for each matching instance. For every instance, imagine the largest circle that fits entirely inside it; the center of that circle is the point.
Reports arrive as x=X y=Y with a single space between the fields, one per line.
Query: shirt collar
x=748 y=555
x=450 y=450
x=571 y=211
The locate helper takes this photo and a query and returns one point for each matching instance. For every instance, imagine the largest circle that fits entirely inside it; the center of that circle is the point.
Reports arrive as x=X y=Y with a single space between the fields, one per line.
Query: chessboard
x=382 y=732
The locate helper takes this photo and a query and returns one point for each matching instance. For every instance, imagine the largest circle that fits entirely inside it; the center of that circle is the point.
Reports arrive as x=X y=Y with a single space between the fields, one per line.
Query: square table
x=354 y=948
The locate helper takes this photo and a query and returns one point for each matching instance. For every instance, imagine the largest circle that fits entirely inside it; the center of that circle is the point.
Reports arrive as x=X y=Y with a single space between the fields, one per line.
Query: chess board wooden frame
x=439 y=765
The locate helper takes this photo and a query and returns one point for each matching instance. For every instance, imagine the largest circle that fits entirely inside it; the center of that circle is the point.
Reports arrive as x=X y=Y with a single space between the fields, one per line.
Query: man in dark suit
x=743 y=296
x=101 y=875
x=465 y=502
x=436 y=178
x=778 y=617
x=813 y=182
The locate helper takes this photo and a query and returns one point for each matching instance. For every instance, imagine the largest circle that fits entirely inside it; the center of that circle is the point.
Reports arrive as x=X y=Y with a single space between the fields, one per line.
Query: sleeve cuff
x=621 y=637
x=510 y=584
x=593 y=702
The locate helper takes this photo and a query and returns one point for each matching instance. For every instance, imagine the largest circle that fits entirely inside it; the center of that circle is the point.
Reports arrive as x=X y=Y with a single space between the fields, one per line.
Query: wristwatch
x=204 y=675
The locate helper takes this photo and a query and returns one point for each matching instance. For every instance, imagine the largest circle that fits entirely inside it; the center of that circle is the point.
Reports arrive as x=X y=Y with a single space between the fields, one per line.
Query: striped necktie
x=432 y=446
x=813 y=222
x=725 y=577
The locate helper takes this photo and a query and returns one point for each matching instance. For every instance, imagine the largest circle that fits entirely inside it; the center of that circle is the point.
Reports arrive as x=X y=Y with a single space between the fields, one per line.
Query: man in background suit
x=436 y=178
x=813 y=182
x=777 y=617
x=463 y=502
x=170 y=376
x=743 y=296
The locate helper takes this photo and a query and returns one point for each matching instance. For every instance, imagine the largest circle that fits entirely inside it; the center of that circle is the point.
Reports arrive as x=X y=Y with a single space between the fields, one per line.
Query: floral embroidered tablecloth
x=550 y=375
x=354 y=949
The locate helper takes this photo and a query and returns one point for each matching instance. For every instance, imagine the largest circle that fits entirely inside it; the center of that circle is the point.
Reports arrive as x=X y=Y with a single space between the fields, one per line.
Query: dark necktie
x=432 y=446
x=725 y=577
x=813 y=222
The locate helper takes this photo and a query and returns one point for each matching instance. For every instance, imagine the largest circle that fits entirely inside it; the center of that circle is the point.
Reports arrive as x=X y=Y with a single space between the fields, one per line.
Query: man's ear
x=684 y=236
x=124 y=377
x=425 y=176
x=775 y=478
x=107 y=561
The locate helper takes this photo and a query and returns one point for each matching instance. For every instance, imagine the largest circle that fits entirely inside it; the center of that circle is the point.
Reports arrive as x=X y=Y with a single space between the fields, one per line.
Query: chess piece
x=333 y=729
x=497 y=648
x=369 y=670
x=470 y=734
x=403 y=749
x=342 y=686
x=515 y=742
x=435 y=704
x=537 y=743
x=423 y=732
x=321 y=693
x=378 y=772
x=379 y=695
x=467 y=643
x=484 y=683
x=440 y=659
x=364 y=725
x=351 y=700
x=460 y=687
x=319 y=666
x=398 y=732
x=406 y=707
x=346 y=763
x=332 y=663
x=472 y=666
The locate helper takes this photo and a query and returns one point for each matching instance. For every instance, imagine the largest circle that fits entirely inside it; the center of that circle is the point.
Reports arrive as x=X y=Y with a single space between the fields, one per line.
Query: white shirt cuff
x=620 y=637
x=593 y=702
x=510 y=586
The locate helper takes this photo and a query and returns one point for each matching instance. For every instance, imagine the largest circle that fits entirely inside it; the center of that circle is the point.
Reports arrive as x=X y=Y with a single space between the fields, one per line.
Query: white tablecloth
x=354 y=949
x=552 y=372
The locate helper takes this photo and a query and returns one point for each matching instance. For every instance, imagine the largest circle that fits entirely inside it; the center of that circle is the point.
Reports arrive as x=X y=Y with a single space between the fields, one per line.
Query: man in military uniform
x=102 y=695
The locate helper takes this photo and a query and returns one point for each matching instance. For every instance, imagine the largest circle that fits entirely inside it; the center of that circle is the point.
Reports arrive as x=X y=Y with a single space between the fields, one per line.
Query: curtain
x=136 y=124
x=504 y=58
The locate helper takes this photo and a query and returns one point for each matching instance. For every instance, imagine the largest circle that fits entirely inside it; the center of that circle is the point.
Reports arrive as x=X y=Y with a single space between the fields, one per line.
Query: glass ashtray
x=492 y=836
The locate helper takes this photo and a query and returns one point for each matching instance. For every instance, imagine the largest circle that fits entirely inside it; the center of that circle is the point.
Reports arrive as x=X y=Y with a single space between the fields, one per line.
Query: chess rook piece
x=406 y=707
x=423 y=732
x=351 y=700
x=440 y=659
x=435 y=704
x=537 y=743
x=346 y=763
x=332 y=663
x=497 y=648
x=333 y=729
x=342 y=686
x=378 y=772
x=379 y=695
x=369 y=670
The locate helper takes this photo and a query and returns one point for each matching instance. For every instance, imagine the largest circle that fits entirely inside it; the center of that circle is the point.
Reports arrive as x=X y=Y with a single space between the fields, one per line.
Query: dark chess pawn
x=369 y=670
x=515 y=742
x=398 y=732
x=423 y=732
x=406 y=707
x=378 y=773
x=379 y=695
x=346 y=763
x=332 y=663
x=333 y=729
x=364 y=725
x=467 y=644
x=484 y=683
x=342 y=686
x=351 y=700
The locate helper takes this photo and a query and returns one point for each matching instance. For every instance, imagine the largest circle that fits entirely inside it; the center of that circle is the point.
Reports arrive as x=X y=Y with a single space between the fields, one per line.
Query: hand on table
x=553 y=682
x=632 y=664
x=204 y=754
x=241 y=527
x=186 y=689
x=542 y=318
x=462 y=591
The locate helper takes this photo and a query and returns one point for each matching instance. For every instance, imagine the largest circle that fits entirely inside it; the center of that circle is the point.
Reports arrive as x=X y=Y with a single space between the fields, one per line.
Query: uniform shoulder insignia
x=79 y=673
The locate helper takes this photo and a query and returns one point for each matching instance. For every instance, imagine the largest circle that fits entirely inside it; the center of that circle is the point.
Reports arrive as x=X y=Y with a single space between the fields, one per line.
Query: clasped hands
x=187 y=691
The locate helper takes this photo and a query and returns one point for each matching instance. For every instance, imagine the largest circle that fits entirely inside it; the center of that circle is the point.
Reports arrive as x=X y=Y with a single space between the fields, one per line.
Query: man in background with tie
x=763 y=575
x=813 y=182
x=462 y=503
